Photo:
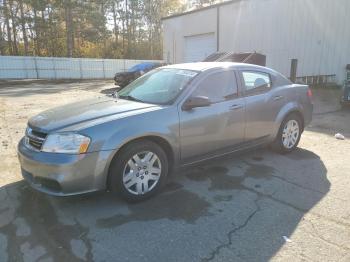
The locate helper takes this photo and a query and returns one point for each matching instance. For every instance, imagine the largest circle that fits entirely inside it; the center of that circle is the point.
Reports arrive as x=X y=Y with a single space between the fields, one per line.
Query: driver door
x=210 y=130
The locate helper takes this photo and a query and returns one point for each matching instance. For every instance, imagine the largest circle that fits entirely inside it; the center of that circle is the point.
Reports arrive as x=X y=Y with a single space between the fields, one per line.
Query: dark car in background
x=122 y=79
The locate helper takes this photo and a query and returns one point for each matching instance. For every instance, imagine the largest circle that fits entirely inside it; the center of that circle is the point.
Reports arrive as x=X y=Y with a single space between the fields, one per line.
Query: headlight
x=68 y=143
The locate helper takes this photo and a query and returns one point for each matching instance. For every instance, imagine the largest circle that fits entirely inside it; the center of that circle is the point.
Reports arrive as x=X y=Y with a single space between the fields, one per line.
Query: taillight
x=309 y=93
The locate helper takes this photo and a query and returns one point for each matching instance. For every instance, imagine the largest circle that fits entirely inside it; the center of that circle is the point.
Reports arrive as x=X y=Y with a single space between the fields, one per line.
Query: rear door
x=207 y=130
x=263 y=102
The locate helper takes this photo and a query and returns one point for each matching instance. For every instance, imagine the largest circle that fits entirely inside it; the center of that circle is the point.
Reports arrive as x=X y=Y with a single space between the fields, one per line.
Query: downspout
x=174 y=49
x=217 y=28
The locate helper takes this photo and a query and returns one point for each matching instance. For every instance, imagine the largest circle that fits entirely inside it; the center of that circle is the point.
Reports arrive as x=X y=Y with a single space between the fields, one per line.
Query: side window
x=256 y=82
x=218 y=87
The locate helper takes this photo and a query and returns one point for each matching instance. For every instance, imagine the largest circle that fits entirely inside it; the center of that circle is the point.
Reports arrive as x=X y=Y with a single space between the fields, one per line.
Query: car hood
x=86 y=110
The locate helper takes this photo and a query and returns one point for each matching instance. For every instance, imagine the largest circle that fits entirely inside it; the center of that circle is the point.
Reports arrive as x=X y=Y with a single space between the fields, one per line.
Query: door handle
x=276 y=98
x=236 y=107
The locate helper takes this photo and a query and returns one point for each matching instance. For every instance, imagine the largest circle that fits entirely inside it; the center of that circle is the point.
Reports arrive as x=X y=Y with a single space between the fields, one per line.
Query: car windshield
x=160 y=86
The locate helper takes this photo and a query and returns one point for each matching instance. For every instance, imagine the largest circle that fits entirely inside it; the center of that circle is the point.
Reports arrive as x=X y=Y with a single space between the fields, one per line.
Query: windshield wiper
x=129 y=97
x=114 y=94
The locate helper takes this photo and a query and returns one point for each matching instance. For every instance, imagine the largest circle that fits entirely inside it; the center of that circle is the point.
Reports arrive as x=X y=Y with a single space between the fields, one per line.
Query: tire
x=134 y=178
x=287 y=140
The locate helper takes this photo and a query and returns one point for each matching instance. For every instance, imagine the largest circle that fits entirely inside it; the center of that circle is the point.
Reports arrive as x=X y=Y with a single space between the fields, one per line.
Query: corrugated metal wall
x=20 y=67
x=316 y=32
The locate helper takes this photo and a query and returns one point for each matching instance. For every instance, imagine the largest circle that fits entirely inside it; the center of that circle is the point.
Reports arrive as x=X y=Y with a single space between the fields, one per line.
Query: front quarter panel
x=114 y=134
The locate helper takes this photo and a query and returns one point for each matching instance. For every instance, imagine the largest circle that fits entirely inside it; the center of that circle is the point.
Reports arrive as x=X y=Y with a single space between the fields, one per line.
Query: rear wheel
x=289 y=134
x=139 y=171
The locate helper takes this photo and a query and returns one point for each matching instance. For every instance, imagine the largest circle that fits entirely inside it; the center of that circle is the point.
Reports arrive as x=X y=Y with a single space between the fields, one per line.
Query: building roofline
x=201 y=9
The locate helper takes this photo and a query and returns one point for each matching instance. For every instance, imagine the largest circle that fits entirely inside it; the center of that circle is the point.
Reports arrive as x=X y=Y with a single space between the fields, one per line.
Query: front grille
x=38 y=134
x=34 y=138
x=35 y=144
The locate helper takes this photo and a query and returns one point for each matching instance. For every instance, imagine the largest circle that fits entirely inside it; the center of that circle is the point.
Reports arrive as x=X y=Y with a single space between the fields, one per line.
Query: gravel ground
x=253 y=206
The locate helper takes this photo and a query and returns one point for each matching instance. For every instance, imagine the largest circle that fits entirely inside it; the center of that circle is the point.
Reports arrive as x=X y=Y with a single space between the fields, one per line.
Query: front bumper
x=64 y=174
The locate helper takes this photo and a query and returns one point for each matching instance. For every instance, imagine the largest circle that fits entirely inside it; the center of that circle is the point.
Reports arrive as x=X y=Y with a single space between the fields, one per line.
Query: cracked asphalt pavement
x=252 y=206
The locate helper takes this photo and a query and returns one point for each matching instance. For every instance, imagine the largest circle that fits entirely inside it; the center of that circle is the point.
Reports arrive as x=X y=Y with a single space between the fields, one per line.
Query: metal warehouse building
x=316 y=32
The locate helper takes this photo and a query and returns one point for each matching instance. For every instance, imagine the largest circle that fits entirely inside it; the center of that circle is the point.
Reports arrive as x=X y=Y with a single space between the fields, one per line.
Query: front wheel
x=289 y=134
x=139 y=171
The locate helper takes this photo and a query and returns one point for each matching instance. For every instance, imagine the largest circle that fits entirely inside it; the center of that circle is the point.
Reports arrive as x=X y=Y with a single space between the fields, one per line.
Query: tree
x=114 y=7
x=8 y=28
x=2 y=33
x=13 y=14
x=69 y=27
x=23 y=25
x=84 y=28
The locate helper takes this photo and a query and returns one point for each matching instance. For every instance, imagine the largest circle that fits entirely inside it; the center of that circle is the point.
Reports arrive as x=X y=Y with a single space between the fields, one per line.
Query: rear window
x=253 y=80
x=256 y=81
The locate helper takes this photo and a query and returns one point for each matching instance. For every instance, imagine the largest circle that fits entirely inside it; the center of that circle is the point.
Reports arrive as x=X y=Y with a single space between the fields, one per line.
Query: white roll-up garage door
x=198 y=47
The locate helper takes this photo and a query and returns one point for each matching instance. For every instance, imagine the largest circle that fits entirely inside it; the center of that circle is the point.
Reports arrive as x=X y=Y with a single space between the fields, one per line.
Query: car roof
x=203 y=66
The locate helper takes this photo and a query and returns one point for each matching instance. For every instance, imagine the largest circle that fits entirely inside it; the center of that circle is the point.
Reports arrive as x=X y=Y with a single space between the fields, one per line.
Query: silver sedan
x=171 y=117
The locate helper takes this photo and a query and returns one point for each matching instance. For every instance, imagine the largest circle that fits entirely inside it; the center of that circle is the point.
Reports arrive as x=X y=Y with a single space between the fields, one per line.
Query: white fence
x=21 y=67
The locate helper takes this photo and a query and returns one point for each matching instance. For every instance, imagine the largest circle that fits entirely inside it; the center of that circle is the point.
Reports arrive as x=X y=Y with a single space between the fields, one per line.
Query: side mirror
x=196 y=101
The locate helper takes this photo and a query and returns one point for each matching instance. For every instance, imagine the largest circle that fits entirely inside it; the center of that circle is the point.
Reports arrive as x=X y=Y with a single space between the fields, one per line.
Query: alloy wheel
x=290 y=134
x=142 y=173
